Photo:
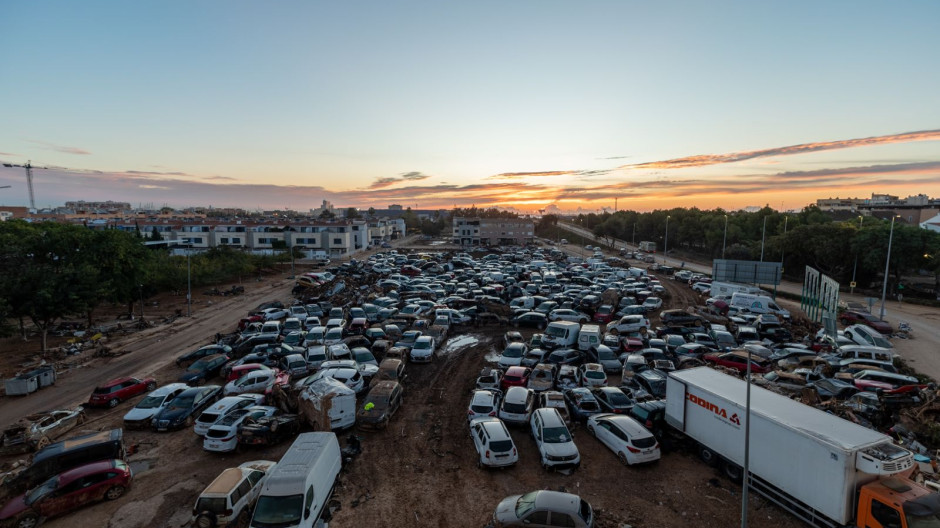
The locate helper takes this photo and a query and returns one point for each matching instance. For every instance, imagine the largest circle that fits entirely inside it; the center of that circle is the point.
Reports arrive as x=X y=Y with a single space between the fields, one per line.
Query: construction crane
x=29 y=180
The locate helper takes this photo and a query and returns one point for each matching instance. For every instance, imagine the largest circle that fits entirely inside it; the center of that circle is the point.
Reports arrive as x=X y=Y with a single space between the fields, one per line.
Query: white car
x=623 y=435
x=222 y=436
x=564 y=314
x=334 y=336
x=349 y=376
x=512 y=355
x=517 y=405
x=556 y=446
x=299 y=312
x=483 y=403
x=257 y=381
x=629 y=323
x=592 y=375
x=139 y=417
x=423 y=350
x=493 y=442
x=230 y=498
x=221 y=408
x=273 y=314
x=652 y=303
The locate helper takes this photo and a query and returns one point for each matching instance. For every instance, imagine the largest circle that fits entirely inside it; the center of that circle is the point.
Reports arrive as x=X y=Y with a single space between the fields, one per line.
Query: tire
x=114 y=493
x=206 y=519
x=708 y=456
x=43 y=442
x=151 y=386
x=113 y=402
x=28 y=520
x=733 y=472
x=623 y=458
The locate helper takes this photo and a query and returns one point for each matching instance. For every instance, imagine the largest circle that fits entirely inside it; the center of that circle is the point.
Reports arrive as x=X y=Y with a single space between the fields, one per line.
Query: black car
x=202 y=352
x=652 y=414
x=183 y=409
x=246 y=346
x=268 y=430
x=831 y=388
x=653 y=381
x=612 y=399
x=204 y=369
x=532 y=319
x=565 y=356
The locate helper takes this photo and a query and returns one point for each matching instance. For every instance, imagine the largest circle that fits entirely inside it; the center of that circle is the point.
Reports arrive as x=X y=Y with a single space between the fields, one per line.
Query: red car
x=117 y=390
x=850 y=317
x=737 y=360
x=604 y=314
x=65 y=492
x=515 y=377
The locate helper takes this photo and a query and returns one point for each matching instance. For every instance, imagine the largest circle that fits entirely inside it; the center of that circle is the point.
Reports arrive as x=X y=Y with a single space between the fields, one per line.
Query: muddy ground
x=421 y=471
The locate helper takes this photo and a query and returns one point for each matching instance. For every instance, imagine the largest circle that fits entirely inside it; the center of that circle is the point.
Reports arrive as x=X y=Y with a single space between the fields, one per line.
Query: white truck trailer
x=827 y=471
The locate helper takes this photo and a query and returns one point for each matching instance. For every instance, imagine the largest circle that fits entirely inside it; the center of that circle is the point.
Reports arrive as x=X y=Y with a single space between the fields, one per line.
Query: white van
x=560 y=334
x=724 y=290
x=589 y=337
x=523 y=302
x=332 y=397
x=297 y=490
x=757 y=304
x=315 y=356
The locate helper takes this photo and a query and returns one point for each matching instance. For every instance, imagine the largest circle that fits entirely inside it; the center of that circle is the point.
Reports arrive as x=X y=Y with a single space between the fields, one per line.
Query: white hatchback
x=623 y=435
x=557 y=449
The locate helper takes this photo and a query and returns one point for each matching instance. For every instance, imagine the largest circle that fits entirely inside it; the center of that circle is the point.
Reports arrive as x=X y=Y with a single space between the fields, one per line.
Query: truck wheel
x=733 y=472
x=708 y=456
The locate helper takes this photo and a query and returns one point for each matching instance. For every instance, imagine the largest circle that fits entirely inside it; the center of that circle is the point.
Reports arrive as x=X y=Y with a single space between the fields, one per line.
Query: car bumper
x=502 y=462
x=421 y=359
x=137 y=424
x=220 y=446
x=563 y=464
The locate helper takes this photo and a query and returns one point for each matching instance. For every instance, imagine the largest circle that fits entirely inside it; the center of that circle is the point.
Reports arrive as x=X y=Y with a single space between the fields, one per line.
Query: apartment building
x=493 y=231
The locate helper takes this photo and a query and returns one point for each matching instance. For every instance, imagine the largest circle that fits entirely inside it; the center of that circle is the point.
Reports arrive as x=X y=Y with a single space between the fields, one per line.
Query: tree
x=352 y=213
x=371 y=212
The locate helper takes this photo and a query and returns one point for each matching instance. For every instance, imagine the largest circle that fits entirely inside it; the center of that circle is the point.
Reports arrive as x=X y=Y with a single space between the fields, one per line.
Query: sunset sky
x=525 y=104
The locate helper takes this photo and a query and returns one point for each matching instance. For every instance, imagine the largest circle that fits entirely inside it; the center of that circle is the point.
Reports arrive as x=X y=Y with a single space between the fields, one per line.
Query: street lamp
x=884 y=286
x=189 y=285
x=140 y=290
x=763 y=235
x=783 y=249
x=666 y=243
x=855 y=267
x=725 y=241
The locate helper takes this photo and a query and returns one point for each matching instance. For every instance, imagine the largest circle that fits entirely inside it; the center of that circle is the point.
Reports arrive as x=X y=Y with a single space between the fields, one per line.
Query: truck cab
x=897 y=503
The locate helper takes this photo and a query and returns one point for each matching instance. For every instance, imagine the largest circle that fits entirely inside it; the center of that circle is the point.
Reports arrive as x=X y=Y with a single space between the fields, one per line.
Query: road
x=922 y=352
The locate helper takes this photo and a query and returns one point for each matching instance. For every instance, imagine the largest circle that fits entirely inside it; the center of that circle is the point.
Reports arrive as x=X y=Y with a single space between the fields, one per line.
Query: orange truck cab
x=897 y=503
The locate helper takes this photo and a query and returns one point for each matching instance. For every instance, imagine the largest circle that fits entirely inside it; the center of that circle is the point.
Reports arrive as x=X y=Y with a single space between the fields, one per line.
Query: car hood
x=189 y=376
x=13 y=508
x=368 y=369
x=167 y=414
x=562 y=449
x=141 y=414
x=376 y=414
x=506 y=509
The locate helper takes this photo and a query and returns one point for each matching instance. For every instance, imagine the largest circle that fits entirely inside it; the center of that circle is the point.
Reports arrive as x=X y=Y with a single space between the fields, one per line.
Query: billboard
x=746 y=271
x=820 y=299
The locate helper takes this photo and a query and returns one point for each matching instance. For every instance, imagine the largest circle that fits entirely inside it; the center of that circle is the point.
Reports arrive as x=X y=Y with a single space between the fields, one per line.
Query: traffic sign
x=852 y=284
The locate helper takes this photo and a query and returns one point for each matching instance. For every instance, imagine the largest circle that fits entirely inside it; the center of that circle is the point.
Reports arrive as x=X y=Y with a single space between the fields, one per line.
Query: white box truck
x=724 y=290
x=827 y=471
x=560 y=334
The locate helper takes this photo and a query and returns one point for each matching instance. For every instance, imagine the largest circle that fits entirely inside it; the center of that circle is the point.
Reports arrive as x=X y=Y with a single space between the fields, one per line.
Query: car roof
x=626 y=423
x=166 y=389
x=115 y=381
x=87 y=469
x=550 y=416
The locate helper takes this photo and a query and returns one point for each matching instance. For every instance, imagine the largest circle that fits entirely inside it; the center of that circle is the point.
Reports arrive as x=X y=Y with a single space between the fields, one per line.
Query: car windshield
x=595 y=374
x=512 y=352
x=275 y=512
x=42 y=490
x=555 y=331
x=525 y=504
x=198 y=366
x=181 y=402
x=150 y=402
x=605 y=355
x=618 y=398
x=501 y=446
x=555 y=435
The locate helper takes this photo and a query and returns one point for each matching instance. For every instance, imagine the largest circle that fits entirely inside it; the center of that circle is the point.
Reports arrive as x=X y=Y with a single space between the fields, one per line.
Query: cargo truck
x=827 y=471
x=647 y=246
x=724 y=290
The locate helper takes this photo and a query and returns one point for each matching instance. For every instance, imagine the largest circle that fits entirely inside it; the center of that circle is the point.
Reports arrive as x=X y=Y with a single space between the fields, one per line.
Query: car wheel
x=152 y=385
x=206 y=519
x=113 y=402
x=733 y=472
x=480 y=464
x=708 y=456
x=43 y=442
x=28 y=520
x=114 y=493
x=623 y=458
x=845 y=322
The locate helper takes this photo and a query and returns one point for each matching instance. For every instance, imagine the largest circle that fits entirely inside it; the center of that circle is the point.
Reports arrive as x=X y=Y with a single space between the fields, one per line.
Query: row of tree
x=839 y=248
x=49 y=271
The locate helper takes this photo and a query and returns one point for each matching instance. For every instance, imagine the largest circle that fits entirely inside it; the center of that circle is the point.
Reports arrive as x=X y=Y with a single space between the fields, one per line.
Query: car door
x=605 y=434
x=561 y=520
x=537 y=519
x=479 y=438
x=59 y=501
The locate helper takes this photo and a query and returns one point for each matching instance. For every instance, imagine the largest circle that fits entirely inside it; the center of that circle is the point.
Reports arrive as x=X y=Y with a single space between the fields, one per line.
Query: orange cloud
x=714 y=159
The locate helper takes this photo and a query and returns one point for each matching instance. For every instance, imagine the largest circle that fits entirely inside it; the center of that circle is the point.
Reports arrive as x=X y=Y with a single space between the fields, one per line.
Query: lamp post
x=189 y=284
x=634 y=234
x=140 y=290
x=725 y=240
x=747 y=443
x=666 y=243
x=763 y=236
x=884 y=286
x=855 y=267
x=783 y=250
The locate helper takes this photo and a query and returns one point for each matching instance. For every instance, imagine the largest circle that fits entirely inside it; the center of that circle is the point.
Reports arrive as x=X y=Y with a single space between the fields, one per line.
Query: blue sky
x=270 y=104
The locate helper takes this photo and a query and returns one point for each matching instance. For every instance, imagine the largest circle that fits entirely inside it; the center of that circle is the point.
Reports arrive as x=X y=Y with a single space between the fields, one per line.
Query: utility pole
x=884 y=286
x=762 y=237
x=189 y=285
x=855 y=267
x=783 y=250
x=666 y=243
x=725 y=241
